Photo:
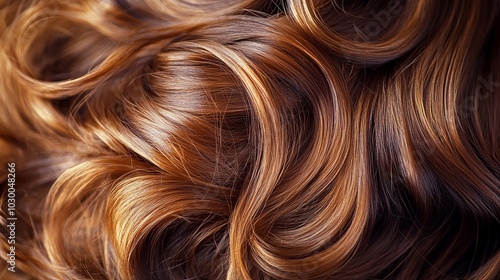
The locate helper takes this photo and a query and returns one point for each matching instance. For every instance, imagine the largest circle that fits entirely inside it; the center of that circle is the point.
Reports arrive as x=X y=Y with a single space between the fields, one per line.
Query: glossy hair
x=254 y=139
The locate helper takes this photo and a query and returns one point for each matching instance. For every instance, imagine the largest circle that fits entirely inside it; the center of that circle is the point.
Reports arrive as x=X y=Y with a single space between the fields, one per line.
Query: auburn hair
x=251 y=139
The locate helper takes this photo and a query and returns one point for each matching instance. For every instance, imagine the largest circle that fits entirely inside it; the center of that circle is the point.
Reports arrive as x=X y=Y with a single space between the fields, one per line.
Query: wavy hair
x=251 y=139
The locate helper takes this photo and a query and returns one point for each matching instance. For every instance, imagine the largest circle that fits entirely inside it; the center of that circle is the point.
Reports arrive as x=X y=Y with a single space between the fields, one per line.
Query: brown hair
x=229 y=139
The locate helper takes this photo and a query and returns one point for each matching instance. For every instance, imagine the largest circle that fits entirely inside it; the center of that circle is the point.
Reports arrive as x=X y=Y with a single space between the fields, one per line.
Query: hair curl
x=252 y=139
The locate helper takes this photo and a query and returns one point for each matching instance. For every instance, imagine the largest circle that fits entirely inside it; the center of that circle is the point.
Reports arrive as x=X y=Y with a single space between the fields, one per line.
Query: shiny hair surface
x=251 y=139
